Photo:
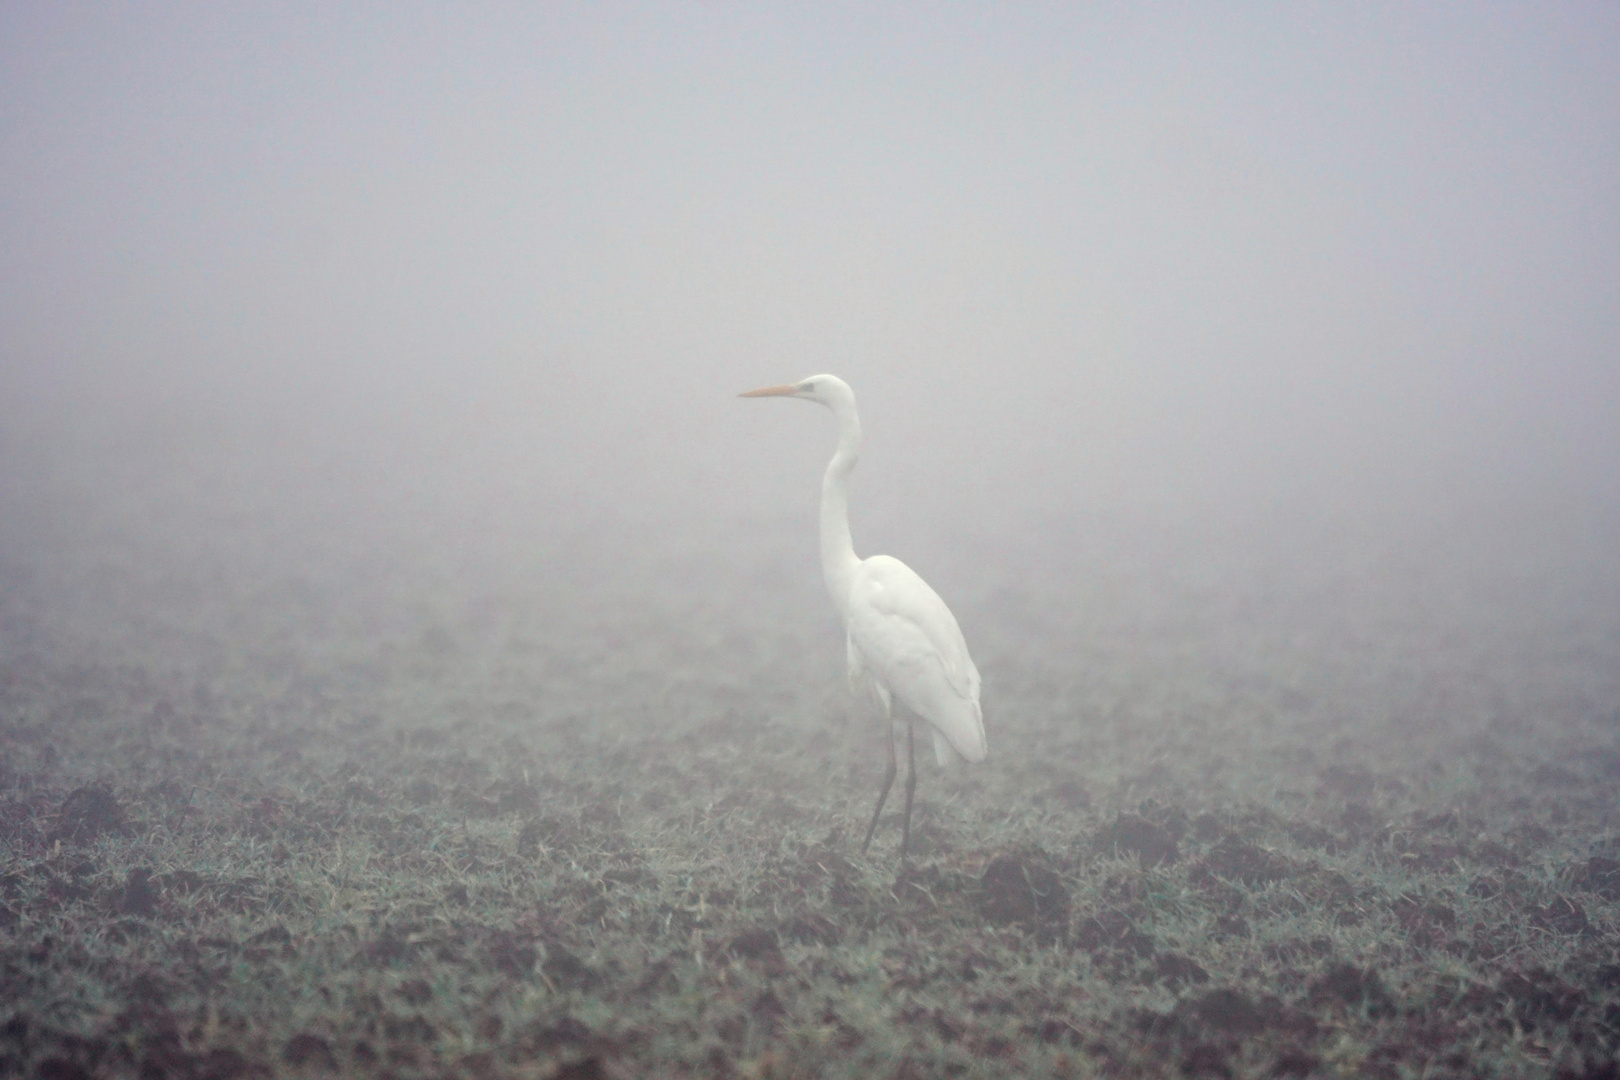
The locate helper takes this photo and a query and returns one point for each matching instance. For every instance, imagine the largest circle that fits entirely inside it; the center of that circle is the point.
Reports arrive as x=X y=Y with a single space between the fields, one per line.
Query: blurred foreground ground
x=301 y=774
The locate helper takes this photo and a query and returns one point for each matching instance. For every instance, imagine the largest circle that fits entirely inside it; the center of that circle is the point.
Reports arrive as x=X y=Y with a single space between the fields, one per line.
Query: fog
x=1248 y=298
x=414 y=657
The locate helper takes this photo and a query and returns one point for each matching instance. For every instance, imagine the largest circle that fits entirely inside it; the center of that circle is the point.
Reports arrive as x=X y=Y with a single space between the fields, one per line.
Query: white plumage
x=902 y=641
x=905 y=642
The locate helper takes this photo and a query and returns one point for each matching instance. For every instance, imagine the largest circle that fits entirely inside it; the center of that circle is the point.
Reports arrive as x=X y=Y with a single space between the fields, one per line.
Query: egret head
x=828 y=390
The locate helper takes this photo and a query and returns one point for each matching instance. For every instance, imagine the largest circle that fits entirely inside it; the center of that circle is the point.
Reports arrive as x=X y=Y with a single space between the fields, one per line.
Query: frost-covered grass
x=305 y=802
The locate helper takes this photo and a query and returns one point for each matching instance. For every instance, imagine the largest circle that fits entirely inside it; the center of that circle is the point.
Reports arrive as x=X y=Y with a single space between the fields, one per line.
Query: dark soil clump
x=1151 y=843
x=89 y=812
x=1016 y=891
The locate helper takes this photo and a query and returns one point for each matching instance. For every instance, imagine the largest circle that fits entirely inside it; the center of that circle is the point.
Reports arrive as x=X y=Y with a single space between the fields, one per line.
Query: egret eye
x=808 y=387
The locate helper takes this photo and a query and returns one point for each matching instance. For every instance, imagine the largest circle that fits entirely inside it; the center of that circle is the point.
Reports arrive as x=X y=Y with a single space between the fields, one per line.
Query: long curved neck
x=838 y=561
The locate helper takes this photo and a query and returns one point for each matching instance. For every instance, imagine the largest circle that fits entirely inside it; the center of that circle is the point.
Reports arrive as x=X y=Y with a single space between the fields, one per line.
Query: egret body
x=901 y=641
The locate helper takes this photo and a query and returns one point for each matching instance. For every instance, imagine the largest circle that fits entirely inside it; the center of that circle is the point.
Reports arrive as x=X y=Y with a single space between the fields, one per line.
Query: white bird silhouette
x=901 y=640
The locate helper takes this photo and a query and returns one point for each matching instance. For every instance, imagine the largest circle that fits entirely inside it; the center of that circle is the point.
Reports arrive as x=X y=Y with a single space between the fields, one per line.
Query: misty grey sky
x=1064 y=253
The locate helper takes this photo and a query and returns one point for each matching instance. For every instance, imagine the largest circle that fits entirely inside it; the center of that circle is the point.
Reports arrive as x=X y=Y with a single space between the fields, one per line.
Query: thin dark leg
x=888 y=782
x=911 y=784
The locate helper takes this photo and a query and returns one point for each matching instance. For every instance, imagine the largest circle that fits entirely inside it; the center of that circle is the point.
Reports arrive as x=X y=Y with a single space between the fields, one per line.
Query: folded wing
x=909 y=642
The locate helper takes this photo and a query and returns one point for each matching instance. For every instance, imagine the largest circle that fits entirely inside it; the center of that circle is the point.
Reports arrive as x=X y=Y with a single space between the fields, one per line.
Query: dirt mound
x=1017 y=891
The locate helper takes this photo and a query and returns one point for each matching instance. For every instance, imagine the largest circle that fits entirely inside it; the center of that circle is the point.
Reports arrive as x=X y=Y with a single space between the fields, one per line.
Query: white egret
x=901 y=641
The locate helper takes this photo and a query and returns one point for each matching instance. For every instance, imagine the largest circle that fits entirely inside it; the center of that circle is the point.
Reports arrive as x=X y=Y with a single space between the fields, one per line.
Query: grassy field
x=281 y=796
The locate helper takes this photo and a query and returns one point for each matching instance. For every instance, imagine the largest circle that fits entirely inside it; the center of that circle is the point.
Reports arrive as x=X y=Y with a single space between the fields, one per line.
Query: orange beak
x=772 y=391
